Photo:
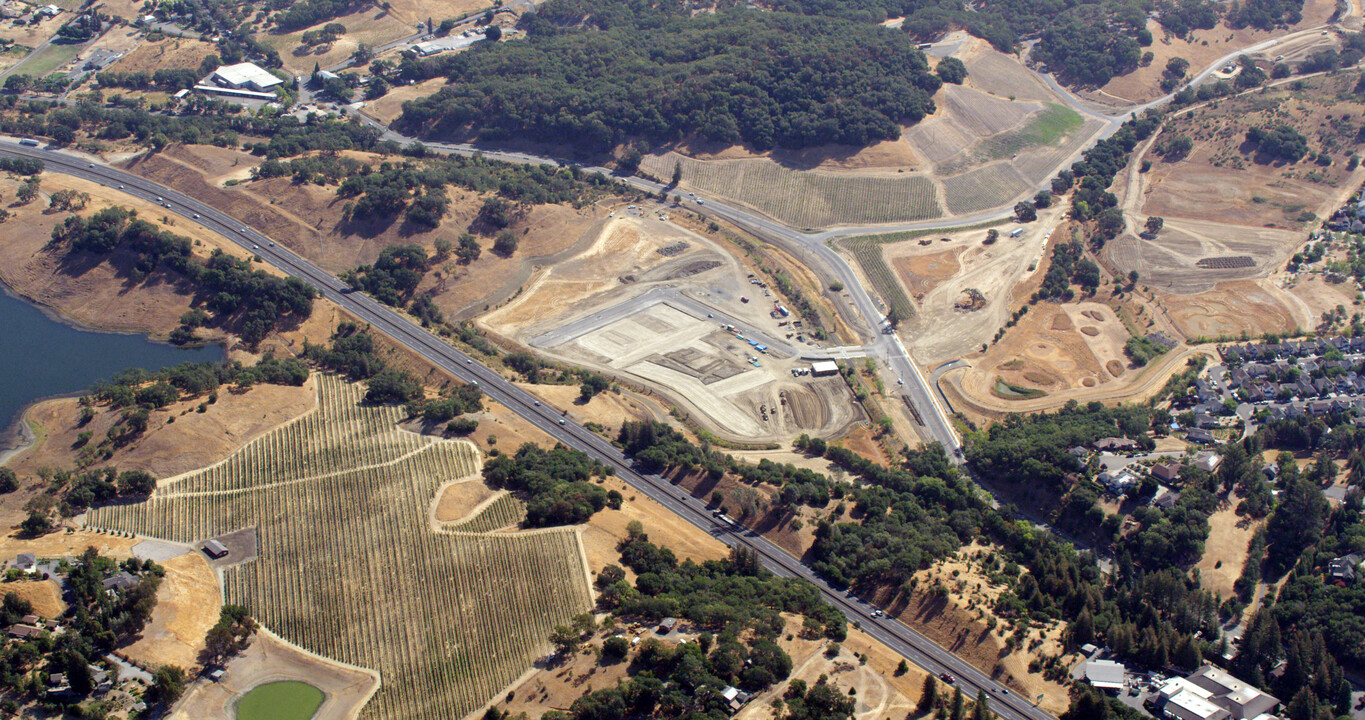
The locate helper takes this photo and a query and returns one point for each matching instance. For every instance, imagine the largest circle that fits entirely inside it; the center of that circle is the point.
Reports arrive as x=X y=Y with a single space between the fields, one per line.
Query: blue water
x=44 y=357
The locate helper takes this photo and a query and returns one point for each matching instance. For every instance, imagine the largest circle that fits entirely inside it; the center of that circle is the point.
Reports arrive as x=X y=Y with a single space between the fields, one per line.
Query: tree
x=1154 y=224
x=468 y=250
x=168 y=683
x=677 y=175
x=981 y=709
x=492 y=33
x=9 y=482
x=505 y=244
x=565 y=639
x=592 y=385
x=1025 y=212
x=28 y=191
x=18 y=83
x=991 y=236
x=958 y=709
x=951 y=70
x=1042 y=200
x=35 y=524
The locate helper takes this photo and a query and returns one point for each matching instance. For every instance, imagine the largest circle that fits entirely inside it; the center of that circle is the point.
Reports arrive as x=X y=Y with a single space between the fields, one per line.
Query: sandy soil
x=44 y=595
x=1225 y=552
x=187 y=606
x=270 y=659
x=166 y=54
x=505 y=430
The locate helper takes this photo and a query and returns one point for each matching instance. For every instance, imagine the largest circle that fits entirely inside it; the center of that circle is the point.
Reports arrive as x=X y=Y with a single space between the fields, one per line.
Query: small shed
x=821 y=368
x=215 y=549
x=667 y=624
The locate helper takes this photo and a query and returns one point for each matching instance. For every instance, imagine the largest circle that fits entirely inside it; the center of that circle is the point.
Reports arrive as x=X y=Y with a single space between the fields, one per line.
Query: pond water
x=45 y=357
x=290 y=700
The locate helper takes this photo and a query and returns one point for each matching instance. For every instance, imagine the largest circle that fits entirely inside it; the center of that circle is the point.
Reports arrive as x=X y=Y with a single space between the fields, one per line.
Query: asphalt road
x=900 y=638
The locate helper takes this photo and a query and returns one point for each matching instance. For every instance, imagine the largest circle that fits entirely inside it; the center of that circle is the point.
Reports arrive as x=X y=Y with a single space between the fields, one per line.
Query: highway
x=912 y=645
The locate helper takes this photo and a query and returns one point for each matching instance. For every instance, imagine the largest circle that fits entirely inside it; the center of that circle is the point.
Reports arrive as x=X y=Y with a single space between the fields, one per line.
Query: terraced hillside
x=350 y=566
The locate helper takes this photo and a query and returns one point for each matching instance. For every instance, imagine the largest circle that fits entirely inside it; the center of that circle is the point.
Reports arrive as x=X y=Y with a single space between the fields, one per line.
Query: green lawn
x=280 y=701
x=48 y=59
x=1047 y=127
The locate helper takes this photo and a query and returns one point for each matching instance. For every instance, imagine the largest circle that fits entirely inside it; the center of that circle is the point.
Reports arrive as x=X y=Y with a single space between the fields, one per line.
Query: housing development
x=659 y=360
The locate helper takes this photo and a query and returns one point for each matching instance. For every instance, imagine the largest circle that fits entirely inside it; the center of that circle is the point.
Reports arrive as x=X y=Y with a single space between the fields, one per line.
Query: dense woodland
x=1151 y=611
x=596 y=75
x=556 y=485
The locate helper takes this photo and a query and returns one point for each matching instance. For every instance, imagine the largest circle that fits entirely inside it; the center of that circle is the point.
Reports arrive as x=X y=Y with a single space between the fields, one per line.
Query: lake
x=45 y=357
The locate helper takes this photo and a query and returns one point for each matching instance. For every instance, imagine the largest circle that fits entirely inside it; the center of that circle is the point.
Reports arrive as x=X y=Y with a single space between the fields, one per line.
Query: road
x=912 y=645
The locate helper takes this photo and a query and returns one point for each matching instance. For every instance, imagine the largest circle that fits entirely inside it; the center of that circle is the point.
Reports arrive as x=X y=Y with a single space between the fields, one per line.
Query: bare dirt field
x=269 y=659
x=608 y=409
x=1170 y=262
x=942 y=331
x=1224 y=180
x=167 y=54
x=1320 y=296
x=187 y=606
x=1225 y=552
x=459 y=499
x=1229 y=310
x=646 y=300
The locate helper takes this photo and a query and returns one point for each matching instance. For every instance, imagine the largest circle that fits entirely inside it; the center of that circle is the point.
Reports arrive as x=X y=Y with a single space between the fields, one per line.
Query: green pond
x=280 y=701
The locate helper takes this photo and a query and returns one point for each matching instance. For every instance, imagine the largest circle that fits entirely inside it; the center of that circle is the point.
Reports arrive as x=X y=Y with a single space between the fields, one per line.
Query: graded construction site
x=669 y=310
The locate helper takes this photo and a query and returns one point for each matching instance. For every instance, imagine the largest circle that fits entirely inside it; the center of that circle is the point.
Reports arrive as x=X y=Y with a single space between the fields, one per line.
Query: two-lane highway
x=912 y=645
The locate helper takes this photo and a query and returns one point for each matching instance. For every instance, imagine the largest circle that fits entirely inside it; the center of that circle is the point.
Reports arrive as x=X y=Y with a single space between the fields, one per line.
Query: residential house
x=1166 y=472
x=1342 y=570
x=1115 y=443
x=1208 y=461
x=1200 y=435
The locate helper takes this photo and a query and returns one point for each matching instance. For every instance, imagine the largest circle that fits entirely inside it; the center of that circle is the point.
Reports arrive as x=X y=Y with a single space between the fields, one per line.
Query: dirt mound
x=1038 y=378
x=1093 y=315
x=923 y=273
x=695 y=268
x=1060 y=321
x=1088 y=382
x=1114 y=367
x=1090 y=331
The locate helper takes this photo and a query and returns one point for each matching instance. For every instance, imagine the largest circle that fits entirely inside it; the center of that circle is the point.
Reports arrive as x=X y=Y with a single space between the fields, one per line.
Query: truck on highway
x=29 y=142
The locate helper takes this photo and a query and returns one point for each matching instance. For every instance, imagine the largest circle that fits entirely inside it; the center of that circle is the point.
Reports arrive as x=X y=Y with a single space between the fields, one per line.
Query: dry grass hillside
x=309 y=220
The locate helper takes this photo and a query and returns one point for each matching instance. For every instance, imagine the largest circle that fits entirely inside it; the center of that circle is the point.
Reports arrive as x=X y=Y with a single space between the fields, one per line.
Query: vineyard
x=984 y=188
x=806 y=199
x=1039 y=164
x=502 y=511
x=867 y=250
x=351 y=568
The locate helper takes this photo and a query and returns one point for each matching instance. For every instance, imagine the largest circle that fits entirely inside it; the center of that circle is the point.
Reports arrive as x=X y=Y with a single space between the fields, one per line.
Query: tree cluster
x=555 y=484
x=598 y=74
